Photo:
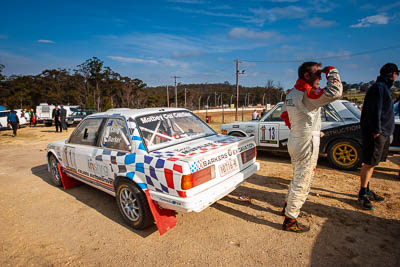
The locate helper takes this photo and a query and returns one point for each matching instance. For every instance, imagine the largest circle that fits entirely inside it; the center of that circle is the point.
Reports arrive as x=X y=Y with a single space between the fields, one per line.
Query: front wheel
x=345 y=154
x=133 y=205
x=54 y=172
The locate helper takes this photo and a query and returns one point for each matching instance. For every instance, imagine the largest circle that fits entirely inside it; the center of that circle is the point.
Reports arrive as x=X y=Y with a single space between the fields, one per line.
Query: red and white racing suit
x=302 y=113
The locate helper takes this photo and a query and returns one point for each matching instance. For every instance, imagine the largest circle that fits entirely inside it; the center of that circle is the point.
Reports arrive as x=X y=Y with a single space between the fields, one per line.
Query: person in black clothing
x=263 y=112
x=377 y=125
x=63 y=117
x=13 y=121
x=56 y=117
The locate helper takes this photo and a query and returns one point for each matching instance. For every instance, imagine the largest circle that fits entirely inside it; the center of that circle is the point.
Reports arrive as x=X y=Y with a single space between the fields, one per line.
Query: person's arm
x=378 y=112
x=322 y=96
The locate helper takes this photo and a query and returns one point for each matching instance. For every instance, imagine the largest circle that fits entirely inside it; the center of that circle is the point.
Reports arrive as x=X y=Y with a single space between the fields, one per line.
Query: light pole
x=237 y=87
x=167 y=97
x=185 y=97
x=199 y=105
x=176 y=91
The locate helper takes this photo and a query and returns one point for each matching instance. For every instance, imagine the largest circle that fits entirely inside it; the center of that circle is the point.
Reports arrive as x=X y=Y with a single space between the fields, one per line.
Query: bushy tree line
x=96 y=86
x=91 y=85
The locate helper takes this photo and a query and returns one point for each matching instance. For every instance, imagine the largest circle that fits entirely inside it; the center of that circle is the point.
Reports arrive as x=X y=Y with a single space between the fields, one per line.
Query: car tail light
x=248 y=155
x=197 y=178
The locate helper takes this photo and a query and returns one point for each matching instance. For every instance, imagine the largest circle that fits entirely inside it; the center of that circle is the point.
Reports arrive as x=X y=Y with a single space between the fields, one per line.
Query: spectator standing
x=263 y=112
x=302 y=114
x=56 y=118
x=254 y=115
x=63 y=117
x=32 y=118
x=13 y=121
x=377 y=125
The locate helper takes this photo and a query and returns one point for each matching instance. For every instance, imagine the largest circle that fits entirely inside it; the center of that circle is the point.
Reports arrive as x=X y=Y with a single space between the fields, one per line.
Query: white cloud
x=209 y=13
x=380 y=19
x=290 y=12
x=388 y=7
x=239 y=33
x=162 y=61
x=45 y=41
x=185 y=54
x=318 y=22
x=133 y=60
x=174 y=63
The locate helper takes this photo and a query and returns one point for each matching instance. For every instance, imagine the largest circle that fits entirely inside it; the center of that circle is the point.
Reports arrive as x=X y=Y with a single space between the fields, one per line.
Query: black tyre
x=133 y=205
x=345 y=154
x=54 y=173
x=238 y=134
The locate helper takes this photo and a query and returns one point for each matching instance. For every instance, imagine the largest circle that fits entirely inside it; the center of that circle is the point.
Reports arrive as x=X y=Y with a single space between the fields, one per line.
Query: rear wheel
x=345 y=154
x=54 y=172
x=133 y=205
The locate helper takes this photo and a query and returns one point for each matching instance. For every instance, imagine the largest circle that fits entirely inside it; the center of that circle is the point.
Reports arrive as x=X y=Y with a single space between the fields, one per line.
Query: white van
x=44 y=113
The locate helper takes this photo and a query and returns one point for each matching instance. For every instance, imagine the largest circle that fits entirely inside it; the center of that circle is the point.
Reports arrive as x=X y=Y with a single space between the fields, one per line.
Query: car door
x=80 y=148
x=272 y=130
x=114 y=145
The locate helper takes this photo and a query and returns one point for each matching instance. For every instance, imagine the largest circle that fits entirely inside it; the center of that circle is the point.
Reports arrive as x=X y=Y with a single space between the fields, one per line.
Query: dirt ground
x=44 y=225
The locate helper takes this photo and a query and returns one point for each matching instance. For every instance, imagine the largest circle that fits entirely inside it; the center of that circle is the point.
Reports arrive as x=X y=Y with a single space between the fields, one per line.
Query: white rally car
x=341 y=136
x=167 y=157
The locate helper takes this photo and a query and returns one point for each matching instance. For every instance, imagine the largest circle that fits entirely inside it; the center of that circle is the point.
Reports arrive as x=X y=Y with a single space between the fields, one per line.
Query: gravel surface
x=44 y=225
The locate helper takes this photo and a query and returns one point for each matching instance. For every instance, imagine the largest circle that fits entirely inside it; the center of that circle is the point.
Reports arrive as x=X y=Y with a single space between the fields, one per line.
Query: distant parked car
x=77 y=116
x=395 y=145
x=341 y=136
x=22 y=116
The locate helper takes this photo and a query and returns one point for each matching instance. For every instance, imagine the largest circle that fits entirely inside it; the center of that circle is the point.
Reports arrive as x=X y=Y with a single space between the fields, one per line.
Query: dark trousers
x=64 y=124
x=58 y=124
x=14 y=126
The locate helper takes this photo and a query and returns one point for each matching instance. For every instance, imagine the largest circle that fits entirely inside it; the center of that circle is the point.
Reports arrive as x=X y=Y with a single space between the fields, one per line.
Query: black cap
x=389 y=68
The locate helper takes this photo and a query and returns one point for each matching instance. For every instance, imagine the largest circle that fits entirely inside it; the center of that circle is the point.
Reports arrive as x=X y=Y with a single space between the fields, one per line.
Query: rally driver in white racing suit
x=302 y=114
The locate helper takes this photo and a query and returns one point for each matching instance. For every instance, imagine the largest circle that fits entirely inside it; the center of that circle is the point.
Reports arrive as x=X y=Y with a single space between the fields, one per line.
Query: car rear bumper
x=207 y=197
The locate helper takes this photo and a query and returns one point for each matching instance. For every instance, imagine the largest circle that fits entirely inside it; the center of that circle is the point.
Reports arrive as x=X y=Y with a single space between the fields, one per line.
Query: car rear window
x=170 y=128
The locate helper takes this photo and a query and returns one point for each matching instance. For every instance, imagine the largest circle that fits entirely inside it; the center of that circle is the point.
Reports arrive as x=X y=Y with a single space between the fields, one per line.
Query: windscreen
x=356 y=112
x=170 y=128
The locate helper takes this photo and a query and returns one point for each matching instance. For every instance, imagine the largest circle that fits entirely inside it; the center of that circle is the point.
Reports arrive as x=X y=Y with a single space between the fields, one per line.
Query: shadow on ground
x=345 y=237
x=94 y=198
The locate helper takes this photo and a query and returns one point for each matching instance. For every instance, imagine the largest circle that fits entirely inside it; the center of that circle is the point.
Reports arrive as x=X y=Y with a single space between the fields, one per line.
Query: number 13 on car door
x=268 y=134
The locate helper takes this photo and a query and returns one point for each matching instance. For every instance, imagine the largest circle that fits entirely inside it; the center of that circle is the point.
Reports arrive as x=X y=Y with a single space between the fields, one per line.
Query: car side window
x=275 y=116
x=87 y=132
x=115 y=135
x=328 y=114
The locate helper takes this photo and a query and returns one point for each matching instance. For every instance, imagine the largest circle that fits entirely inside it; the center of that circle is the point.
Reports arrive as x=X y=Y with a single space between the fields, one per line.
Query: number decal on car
x=268 y=134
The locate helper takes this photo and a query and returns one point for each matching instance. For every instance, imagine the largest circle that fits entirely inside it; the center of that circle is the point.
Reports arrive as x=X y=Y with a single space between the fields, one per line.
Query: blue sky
x=199 y=40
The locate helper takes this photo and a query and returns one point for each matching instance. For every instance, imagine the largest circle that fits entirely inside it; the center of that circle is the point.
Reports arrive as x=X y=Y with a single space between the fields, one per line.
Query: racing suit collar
x=302 y=85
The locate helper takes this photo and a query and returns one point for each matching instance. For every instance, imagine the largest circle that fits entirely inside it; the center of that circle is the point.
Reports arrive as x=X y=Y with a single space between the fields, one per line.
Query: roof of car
x=133 y=113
